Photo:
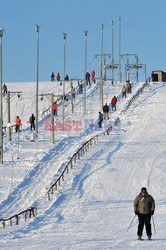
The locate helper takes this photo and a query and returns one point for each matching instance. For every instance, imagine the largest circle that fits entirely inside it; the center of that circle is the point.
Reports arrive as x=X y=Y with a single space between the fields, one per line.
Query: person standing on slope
x=106 y=111
x=144 y=206
x=52 y=76
x=18 y=124
x=123 y=91
x=100 y=119
x=32 y=121
x=113 y=102
x=93 y=76
x=87 y=77
x=55 y=107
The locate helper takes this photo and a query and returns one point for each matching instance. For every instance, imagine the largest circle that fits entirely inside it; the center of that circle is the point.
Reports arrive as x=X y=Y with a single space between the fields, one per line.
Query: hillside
x=94 y=206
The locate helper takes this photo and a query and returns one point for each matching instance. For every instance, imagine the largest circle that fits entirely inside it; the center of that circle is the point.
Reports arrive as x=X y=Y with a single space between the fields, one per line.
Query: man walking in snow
x=144 y=206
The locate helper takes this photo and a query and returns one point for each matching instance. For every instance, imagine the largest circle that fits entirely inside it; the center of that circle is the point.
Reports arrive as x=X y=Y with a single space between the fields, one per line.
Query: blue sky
x=143 y=32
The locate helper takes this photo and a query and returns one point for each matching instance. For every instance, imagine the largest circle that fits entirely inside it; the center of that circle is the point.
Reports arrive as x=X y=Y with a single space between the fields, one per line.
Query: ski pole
x=153 y=224
x=131 y=223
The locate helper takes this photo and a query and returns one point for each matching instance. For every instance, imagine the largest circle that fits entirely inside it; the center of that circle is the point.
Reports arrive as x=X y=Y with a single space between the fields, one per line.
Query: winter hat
x=143 y=189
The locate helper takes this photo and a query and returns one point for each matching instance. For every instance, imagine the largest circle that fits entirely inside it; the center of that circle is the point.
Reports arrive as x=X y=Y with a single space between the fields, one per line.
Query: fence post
x=48 y=195
x=3 y=224
x=16 y=219
x=33 y=212
x=36 y=211
x=29 y=213
x=25 y=215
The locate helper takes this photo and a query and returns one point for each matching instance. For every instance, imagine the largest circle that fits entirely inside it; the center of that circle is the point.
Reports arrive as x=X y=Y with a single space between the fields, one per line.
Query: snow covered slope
x=94 y=206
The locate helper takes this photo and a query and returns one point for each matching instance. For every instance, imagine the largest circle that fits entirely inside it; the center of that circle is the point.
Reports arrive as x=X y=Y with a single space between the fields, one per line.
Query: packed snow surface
x=93 y=207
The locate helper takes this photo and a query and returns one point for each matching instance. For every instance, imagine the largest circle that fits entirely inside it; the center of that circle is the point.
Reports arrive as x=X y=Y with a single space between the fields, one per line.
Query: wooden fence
x=77 y=156
x=136 y=95
x=26 y=214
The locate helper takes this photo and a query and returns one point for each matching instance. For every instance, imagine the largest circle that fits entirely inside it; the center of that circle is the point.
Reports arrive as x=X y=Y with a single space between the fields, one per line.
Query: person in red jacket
x=58 y=77
x=93 y=76
x=113 y=103
x=18 y=124
x=55 y=108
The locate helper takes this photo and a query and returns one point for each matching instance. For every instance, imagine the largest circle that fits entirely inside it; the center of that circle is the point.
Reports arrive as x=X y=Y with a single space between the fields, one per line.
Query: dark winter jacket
x=100 y=117
x=32 y=119
x=105 y=108
x=87 y=76
x=144 y=204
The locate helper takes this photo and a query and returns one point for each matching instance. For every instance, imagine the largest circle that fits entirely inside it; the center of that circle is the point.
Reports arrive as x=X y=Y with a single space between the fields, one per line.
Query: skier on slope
x=144 y=206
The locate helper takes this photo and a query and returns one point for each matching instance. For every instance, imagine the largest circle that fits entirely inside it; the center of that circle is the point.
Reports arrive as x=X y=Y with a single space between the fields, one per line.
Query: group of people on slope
x=90 y=78
x=58 y=77
x=106 y=110
x=126 y=88
x=18 y=123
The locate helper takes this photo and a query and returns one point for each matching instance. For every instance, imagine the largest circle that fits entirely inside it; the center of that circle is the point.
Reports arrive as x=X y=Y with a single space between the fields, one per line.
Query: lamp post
x=86 y=34
x=101 y=72
x=112 y=52
x=120 y=67
x=1 y=100
x=64 y=72
x=37 y=27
